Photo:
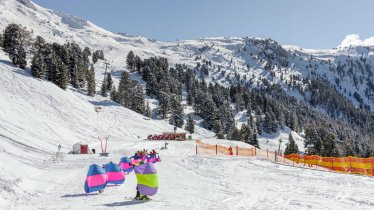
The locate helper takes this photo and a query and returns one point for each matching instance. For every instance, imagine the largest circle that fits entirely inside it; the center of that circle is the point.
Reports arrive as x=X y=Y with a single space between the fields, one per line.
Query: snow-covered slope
x=36 y=116
x=187 y=181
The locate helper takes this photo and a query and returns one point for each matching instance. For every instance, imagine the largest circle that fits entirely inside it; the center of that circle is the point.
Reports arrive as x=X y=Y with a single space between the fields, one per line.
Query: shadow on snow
x=124 y=203
x=78 y=195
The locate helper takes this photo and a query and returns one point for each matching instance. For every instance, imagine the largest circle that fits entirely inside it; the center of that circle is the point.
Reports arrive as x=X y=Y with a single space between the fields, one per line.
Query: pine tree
x=246 y=134
x=147 y=111
x=163 y=105
x=124 y=89
x=109 y=82
x=137 y=98
x=151 y=85
x=234 y=134
x=38 y=46
x=254 y=140
x=95 y=57
x=91 y=82
x=61 y=78
x=38 y=68
x=270 y=125
x=98 y=54
x=1 y=40
x=81 y=71
x=209 y=115
x=292 y=147
x=218 y=129
x=329 y=148
x=190 y=126
x=114 y=94
x=177 y=113
x=73 y=65
x=138 y=64
x=104 y=88
x=130 y=61
x=22 y=63
x=15 y=41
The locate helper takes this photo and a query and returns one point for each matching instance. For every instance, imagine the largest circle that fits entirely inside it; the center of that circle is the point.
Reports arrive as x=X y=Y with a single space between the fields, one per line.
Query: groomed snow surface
x=36 y=116
x=193 y=182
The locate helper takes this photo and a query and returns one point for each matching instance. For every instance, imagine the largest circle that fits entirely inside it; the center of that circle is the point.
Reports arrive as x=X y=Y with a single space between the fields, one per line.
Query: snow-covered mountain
x=36 y=116
x=347 y=67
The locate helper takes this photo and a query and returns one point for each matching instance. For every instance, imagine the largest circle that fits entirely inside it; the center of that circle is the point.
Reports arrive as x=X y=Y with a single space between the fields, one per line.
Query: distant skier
x=230 y=151
x=59 y=148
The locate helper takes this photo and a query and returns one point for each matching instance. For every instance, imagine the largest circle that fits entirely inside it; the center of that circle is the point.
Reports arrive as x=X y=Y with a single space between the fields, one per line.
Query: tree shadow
x=7 y=62
x=24 y=72
x=124 y=203
x=117 y=73
x=78 y=195
x=104 y=103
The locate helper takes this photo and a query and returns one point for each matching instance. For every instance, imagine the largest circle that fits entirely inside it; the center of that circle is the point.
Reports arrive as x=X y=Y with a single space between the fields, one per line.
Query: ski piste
x=37 y=117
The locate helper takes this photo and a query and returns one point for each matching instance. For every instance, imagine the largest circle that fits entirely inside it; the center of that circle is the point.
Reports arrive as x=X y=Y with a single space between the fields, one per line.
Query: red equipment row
x=161 y=137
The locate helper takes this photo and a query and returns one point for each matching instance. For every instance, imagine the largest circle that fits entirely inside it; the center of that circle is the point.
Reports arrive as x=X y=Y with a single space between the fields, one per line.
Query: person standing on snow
x=230 y=151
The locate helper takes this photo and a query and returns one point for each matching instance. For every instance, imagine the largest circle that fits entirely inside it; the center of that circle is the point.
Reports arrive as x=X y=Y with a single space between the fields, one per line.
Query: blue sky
x=308 y=23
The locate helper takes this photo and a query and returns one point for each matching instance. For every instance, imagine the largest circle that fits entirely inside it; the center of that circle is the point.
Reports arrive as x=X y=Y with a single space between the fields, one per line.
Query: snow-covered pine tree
x=124 y=89
x=95 y=57
x=163 y=105
x=254 y=140
x=104 y=88
x=47 y=55
x=73 y=64
x=147 y=110
x=245 y=133
x=38 y=46
x=234 y=134
x=137 y=98
x=109 y=82
x=91 y=82
x=177 y=113
x=1 y=40
x=61 y=78
x=81 y=71
x=145 y=73
x=114 y=94
x=38 y=68
x=218 y=129
x=87 y=53
x=209 y=113
x=98 y=54
x=291 y=147
x=138 y=64
x=15 y=41
x=190 y=126
x=130 y=61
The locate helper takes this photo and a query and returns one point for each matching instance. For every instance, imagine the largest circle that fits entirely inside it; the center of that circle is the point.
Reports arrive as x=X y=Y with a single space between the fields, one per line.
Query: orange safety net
x=210 y=149
x=349 y=164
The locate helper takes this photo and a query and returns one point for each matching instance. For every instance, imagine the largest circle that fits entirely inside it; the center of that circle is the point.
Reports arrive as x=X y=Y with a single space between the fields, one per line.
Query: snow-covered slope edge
x=36 y=116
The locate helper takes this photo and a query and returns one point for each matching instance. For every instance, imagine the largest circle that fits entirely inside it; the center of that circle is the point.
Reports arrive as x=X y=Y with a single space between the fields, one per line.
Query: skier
x=139 y=196
x=230 y=151
x=153 y=152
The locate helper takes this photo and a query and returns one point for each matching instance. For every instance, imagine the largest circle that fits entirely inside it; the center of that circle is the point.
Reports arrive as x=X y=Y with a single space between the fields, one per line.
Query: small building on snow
x=80 y=148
